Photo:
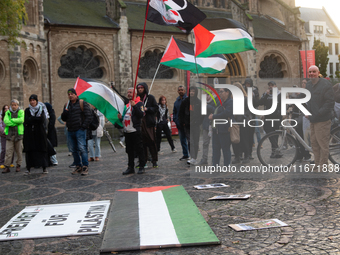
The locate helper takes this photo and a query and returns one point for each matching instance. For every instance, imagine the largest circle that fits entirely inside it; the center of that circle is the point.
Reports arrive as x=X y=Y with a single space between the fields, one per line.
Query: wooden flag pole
x=140 y=51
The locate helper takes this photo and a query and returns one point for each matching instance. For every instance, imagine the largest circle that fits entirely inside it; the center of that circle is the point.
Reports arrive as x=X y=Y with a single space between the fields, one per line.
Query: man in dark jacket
x=132 y=119
x=181 y=132
x=148 y=122
x=320 y=106
x=77 y=122
x=191 y=119
x=269 y=126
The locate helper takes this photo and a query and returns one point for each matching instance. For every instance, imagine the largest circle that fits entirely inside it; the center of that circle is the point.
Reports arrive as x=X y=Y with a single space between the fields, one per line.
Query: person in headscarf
x=35 y=137
x=14 y=131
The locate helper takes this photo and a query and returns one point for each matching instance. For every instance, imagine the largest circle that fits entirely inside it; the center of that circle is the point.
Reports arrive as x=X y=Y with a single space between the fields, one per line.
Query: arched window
x=29 y=72
x=81 y=62
x=2 y=71
x=148 y=66
x=271 y=67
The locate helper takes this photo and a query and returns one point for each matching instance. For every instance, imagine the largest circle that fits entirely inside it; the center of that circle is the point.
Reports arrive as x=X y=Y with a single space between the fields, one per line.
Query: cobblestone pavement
x=309 y=205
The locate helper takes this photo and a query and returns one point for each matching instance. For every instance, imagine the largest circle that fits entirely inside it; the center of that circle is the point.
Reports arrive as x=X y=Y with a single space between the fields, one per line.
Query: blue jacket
x=177 y=105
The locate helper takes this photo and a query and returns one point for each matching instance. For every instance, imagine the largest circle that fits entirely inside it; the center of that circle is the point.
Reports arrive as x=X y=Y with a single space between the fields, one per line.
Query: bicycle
x=286 y=152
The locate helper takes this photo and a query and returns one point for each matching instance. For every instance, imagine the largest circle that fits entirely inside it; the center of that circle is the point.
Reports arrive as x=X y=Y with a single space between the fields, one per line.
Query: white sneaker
x=174 y=150
x=122 y=144
x=160 y=153
x=192 y=161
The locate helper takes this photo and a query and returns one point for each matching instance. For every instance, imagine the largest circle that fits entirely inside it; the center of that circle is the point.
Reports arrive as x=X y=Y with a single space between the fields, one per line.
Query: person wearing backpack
x=78 y=117
x=94 y=143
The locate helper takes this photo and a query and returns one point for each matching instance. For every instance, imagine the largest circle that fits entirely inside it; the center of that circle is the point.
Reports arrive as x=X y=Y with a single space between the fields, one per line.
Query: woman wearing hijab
x=35 y=138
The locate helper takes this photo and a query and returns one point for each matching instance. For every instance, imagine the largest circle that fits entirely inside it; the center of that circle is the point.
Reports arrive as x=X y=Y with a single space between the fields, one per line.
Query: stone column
x=16 y=79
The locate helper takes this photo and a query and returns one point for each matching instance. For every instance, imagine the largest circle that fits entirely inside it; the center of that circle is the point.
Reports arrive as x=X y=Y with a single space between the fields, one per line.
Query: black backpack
x=94 y=124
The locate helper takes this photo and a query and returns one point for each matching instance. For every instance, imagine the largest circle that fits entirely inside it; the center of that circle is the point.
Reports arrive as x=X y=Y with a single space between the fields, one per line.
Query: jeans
x=77 y=143
x=183 y=141
x=95 y=141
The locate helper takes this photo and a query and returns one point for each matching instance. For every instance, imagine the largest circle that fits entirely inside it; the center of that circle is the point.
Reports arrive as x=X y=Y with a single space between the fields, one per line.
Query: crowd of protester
x=145 y=121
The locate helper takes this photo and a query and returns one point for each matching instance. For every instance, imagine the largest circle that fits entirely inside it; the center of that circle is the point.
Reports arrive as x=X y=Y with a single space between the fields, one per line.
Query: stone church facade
x=101 y=39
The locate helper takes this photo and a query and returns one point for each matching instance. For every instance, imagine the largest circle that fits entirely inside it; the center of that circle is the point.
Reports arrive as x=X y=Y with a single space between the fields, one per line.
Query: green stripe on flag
x=190 y=226
x=102 y=105
x=227 y=47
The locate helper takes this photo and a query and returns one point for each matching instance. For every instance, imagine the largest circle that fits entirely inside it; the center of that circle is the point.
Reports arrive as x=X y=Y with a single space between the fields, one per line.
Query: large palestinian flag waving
x=155 y=217
x=180 y=54
x=178 y=13
x=100 y=96
x=221 y=36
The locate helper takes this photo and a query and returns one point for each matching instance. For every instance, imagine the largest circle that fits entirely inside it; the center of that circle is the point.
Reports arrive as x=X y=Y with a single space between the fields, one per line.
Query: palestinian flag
x=178 y=13
x=180 y=54
x=155 y=217
x=102 y=97
x=221 y=36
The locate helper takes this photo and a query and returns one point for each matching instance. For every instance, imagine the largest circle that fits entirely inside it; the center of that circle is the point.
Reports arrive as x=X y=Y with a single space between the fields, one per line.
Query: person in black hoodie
x=132 y=118
x=191 y=119
x=148 y=122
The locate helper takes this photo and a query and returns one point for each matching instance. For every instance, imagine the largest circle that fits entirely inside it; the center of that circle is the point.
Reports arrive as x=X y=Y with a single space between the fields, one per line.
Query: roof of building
x=312 y=14
x=264 y=28
x=78 y=13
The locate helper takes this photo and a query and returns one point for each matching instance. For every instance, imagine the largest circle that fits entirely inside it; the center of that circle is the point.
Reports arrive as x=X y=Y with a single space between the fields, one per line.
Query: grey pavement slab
x=309 y=205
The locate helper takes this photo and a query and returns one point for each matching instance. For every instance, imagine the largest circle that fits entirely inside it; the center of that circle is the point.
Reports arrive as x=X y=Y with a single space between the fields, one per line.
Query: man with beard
x=148 y=123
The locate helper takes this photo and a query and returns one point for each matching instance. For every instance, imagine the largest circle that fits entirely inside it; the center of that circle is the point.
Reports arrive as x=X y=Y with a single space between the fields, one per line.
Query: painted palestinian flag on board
x=180 y=54
x=155 y=217
x=178 y=13
x=221 y=36
x=102 y=97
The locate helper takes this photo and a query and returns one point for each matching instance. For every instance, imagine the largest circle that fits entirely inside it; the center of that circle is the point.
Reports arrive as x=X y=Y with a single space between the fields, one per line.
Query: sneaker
x=55 y=164
x=72 y=166
x=146 y=166
x=160 y=153
x=27 y=172
x=6 y=170
x=308 y=159
x=2 y=166
x=192 y=161
x=17 y=169
x=173 y=150
x=78 y=170
x=154 y=165
x=122 y=144
x=129 y=171
x=45 y=171
x=184 y=158
x=85 y=170
x=11 y=166
x=141 y=171
x=91 y=159
x=69 y=154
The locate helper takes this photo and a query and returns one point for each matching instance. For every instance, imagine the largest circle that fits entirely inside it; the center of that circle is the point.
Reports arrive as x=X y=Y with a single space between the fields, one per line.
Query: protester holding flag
x=77 y=122
x=132 y=118
x=148 y=122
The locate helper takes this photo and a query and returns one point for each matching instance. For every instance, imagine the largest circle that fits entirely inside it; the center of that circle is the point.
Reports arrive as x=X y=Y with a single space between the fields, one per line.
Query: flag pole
x=154 y=77
x=140 y=51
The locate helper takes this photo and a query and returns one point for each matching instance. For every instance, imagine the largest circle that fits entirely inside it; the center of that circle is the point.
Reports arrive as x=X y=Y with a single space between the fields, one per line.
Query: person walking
x=162 y=124
x=35 y=137
x=14 y=131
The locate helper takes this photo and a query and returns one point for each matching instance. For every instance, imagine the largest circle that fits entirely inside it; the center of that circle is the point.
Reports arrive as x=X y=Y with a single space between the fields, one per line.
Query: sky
x=331 y=6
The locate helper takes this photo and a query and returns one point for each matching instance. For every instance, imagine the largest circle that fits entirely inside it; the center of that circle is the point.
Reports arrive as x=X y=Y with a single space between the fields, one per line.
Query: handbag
x=234 y=131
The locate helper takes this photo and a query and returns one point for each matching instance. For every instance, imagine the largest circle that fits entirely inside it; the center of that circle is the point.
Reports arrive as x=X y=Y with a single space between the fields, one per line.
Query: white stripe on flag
x=107 y=94
x=216 y=63
x=155 y=224
x=229 y=34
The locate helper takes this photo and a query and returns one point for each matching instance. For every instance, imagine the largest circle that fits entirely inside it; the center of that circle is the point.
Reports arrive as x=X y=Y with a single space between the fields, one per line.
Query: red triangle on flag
x=149 y=189
x=203 y=38
x=172 y=52
x=81 y=86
